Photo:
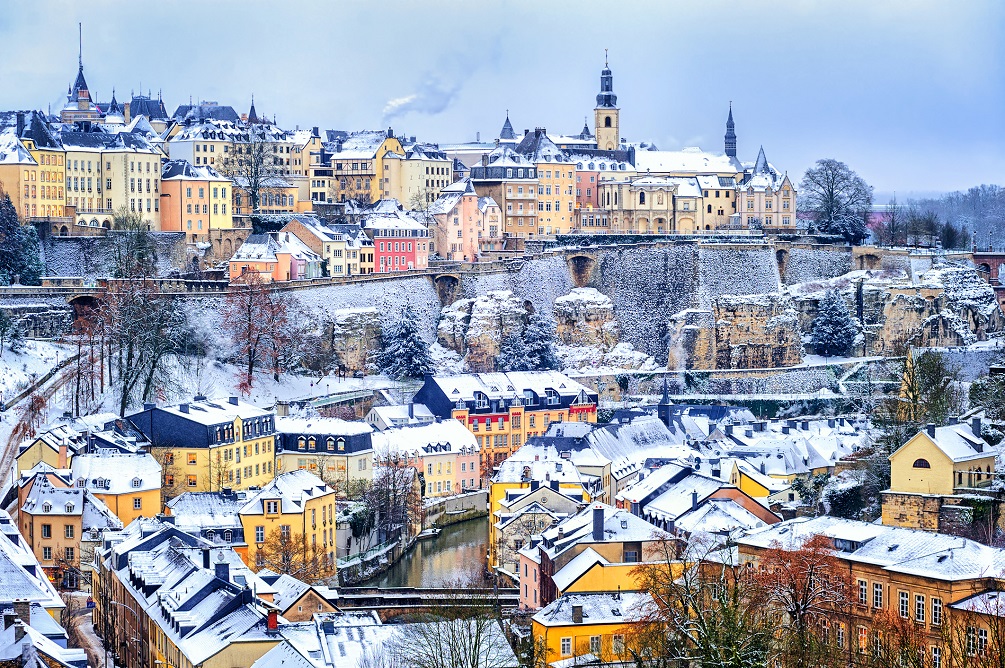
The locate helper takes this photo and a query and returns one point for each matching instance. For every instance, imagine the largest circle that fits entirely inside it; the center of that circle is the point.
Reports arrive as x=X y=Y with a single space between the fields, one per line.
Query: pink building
x=445 y=453
x=400 y=242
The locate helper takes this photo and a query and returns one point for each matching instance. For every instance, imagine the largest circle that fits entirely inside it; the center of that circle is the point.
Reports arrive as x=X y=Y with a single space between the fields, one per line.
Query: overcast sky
x=909 y=93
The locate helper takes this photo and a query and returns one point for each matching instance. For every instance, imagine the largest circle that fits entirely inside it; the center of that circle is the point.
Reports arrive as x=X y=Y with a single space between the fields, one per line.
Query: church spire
x=606 y=97
x=507 y=129
x=252 y=116
x=730 y=134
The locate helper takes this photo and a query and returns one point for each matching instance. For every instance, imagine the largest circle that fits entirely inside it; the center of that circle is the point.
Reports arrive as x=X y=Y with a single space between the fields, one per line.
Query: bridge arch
x=581 y=267
x=448 y=288
x=781 y=258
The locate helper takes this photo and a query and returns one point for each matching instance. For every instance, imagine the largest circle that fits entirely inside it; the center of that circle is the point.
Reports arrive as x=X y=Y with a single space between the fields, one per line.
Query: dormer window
x=82 y=482
x=330 y=443
x=341 y=443
x=228 y=536
x=69 y=507
x=136 y=483
x=552 y=397
x=311 y=443
x=46 y=507
x=301 y=443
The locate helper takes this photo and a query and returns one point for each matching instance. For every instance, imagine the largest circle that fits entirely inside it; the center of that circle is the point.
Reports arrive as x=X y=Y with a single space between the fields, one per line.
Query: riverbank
x=444 y=511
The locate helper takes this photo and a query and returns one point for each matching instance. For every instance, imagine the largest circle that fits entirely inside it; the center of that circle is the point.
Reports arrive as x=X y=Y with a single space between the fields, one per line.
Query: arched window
x=642 y=198
x=607 y=121
x=922 y=464
x=330 y=443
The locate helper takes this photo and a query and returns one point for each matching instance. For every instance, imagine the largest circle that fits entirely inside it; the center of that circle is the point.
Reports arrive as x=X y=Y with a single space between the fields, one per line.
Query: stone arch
x=82 y=304
x=448 y=287
x=781 y=258
x=869 y=261
x=64 y=231
x=685 y=224
x=984 y=268
x=581 y=267
x=107 y=224
x=228 y=248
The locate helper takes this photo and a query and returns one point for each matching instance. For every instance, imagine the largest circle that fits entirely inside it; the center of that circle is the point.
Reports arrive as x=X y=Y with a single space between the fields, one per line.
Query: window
x=192 y=459
x=595 y=645
x=877 y=595
x=618 y=643
x=863 y=639
x=936 y=657
x=136 y=483
x=46 y=531
x=260 y=534
x=566 y=646
x=70 y=553
x=936 y=611
x=840 y=634
x=191 y=481
x=46 y=554
x=137 y=503
x=905 y=604
x=68 y=531
x=271 y=507
x=922 y=464
x=919 y=608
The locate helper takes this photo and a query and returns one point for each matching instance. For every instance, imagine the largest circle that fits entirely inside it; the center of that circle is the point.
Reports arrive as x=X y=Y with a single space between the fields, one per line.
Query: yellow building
x=129 y=484
x=50 y=157
x=652 y=205
x=416 y=176
x=511 y=181
x=32 y=165
x=340 y=452
x=556 y=183
x=352 y=167
x=196 y=201
x=207 y=445
x=932 y=469
x=296 y=505
x=588 y=628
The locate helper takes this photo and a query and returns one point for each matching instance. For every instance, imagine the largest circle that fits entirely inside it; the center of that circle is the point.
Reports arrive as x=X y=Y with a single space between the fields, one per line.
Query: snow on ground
x=18 y=370
x=445 y=360
x=593 y=360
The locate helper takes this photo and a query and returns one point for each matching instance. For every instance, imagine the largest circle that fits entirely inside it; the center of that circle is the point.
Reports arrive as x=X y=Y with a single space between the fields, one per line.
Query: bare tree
x=254 y=165
x=130 y=246
x=290 y=553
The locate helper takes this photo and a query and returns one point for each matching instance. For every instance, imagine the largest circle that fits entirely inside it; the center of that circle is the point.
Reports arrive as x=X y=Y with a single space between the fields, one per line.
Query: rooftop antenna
x=605 y=57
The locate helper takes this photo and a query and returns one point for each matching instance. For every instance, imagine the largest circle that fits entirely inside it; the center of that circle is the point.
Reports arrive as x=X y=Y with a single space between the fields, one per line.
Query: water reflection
x=458 y=553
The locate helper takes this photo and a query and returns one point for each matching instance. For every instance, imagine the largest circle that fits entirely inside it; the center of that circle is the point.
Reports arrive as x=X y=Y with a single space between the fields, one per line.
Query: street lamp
x=136 y=617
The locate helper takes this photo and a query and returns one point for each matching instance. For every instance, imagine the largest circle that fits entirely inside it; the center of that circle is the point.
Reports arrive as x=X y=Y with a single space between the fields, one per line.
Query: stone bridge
x=392 y=603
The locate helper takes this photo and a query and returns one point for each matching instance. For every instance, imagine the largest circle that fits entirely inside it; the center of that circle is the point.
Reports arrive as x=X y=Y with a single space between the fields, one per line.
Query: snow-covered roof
x=920 y=553
x=195 y=512
x=509 y=385
x=612 y=608
x=117 y=473
x=425 y=440
x=20 y=572
x=216 y=411
x=688 y=160
x=358 y=145
x=293 y=489
x=719 y=516
x=619 y=526
x=46 y=499
x=12 y=151
x=578 y=566
x=183 y=170
x=321 y=425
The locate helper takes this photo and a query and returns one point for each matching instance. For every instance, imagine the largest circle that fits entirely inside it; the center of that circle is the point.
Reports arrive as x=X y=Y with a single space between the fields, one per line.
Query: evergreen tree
x=19 y=248
x=513 y=354
x=834 y=331
x=539 y=343
x=403 y=352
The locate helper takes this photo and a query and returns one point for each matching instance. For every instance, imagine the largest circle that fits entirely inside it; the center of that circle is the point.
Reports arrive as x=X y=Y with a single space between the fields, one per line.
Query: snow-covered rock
x=475 y=328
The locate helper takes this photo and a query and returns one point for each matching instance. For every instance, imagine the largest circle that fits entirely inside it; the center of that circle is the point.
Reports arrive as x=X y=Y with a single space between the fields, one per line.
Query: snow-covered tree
x=513 y=354
x=403 y=352
x=838 y=198
x=833 y=331
x=19 y=253
x=539 y=342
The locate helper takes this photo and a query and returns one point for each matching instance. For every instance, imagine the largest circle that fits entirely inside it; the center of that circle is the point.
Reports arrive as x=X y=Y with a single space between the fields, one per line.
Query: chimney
x=273 y=620
x=411 y=410
x=328 y=626
x=785 y=429
x=8 y=620
x=975 y=426
x=694 y=499
x=806 y=425
x=205 y=557
x=930 y=428
x=183 y=408
x=18 y=631
x=749 y=433
x=954 y=420
x=577 y=614
x=22 y=608
x=729 y=430
x=149 y=407
x=598 y=523
x=282 y=408
x=526 y=132
x=199 y=397
x=831 y=422
x=534 y=484
x=20 y=123
x=61 y=461
x=233 y=400
x=390 y=133
x=762 y=468
x=222 y=570
x=554 y=485
x=315 y=132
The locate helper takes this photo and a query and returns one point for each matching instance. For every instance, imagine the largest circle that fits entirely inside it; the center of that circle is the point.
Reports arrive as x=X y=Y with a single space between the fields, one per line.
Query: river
x=457 y=554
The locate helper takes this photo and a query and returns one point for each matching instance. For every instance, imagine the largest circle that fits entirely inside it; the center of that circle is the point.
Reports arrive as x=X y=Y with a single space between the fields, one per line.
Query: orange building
x=194 y=200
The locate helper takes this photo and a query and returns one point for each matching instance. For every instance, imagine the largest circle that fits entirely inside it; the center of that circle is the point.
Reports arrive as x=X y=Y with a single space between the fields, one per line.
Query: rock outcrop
x=739 y=332
x=354 y=334
x=474 y=328
x=588 y=335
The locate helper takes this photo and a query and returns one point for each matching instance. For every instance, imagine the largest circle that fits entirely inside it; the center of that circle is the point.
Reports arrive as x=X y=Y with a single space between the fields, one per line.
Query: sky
x=908 y=93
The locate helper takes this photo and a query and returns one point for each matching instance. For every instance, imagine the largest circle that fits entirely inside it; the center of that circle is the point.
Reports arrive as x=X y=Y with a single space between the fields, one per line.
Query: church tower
x=730 y=134
x=606 y=121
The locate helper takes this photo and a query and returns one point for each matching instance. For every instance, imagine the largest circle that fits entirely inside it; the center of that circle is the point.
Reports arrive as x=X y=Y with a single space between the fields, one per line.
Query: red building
x=991 y=265
x=400 y=242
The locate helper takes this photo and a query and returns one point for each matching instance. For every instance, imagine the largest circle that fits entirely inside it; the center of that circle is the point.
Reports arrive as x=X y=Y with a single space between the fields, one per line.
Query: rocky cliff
x=475 y=328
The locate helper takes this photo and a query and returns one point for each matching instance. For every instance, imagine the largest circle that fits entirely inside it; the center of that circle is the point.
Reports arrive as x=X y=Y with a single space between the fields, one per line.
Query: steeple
x=252 y=116
x=730 y=134
x=761 y=165
x=606 y=97
x=663 y=409
x=507 y=129
x=607 y=124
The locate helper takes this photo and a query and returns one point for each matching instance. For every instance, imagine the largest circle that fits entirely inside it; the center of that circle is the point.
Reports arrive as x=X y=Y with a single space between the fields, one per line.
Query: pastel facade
x=129 y=484
x=417 y=176
x=555 y=183
x=400 y=242
x=339 y=452
x=445 y=453
x=275 y=256
x=459 y=225
x=511 y=181
x=588 y=628
x=195 y=200
x=207 y=445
